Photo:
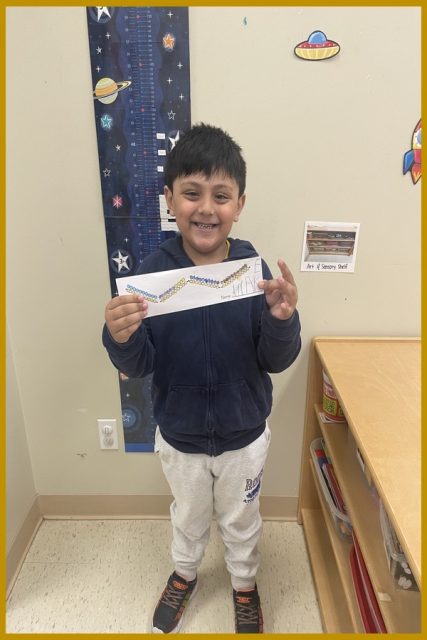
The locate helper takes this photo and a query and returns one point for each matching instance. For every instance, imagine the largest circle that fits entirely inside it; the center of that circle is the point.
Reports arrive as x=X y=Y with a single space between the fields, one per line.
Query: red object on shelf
x=365 y=613
x=368 y=605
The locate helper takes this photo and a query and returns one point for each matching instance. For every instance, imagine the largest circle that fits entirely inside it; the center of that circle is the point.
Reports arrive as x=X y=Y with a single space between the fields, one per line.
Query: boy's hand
x=281 y=293
x=123 y=316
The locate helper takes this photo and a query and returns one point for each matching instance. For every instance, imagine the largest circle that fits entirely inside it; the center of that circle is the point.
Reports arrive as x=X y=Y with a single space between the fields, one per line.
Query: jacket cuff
x=279 y=328
x=120 y=347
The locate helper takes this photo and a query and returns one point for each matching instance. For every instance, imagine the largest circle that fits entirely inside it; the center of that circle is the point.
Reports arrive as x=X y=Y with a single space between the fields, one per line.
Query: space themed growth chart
x=141 y=94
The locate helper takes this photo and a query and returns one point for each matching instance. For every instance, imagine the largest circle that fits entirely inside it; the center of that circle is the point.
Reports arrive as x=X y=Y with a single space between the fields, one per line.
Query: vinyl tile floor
x=105 y=576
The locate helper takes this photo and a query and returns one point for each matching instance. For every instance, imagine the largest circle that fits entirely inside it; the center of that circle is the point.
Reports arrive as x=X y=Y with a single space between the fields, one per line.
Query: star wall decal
x=174 y=140
x=106 y=121
x=169 y=41
x=117 y=201
x=122 y=261
x=102 y=11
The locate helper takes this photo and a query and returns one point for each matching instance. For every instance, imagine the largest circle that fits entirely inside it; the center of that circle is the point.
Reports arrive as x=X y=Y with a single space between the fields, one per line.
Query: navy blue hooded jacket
x=211 y=389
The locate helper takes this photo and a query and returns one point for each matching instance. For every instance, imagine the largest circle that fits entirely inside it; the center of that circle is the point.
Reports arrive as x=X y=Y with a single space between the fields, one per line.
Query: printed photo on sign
x=330 y=246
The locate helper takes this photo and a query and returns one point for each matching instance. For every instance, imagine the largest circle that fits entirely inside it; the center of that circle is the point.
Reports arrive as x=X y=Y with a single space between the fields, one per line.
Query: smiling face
x=205 y=209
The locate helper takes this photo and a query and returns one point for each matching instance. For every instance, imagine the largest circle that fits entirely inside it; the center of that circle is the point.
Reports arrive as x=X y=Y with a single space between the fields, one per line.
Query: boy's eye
x=190 y=194
x=222 y=197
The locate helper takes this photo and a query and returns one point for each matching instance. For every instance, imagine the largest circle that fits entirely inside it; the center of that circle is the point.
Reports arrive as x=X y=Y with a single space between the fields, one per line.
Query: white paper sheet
x=179 y=289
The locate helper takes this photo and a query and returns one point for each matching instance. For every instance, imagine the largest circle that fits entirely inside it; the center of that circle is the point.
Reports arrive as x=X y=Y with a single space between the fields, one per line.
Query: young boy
x=211 y=390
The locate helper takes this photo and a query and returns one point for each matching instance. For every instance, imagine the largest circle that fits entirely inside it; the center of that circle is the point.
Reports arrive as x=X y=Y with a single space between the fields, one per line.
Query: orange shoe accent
x=179 y=585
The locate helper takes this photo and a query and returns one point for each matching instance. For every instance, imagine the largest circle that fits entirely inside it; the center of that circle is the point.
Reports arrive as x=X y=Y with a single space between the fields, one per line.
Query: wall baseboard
x=278 y=507
x=21 y=544
x=105 y=506
x=79 y=507
x=143 y=506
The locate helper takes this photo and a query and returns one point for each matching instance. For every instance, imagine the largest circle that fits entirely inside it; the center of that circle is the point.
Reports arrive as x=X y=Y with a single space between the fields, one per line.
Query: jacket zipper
x=211 y=444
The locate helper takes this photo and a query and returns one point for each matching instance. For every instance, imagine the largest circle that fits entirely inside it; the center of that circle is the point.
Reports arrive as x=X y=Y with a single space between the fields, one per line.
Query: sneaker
x=247 y=611
x=170 y=609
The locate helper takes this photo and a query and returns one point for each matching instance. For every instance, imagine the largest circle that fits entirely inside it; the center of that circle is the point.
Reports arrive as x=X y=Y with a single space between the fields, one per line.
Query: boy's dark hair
x=206 y=149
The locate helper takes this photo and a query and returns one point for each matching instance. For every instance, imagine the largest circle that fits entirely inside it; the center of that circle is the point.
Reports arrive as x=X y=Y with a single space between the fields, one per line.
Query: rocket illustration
x=412 y=158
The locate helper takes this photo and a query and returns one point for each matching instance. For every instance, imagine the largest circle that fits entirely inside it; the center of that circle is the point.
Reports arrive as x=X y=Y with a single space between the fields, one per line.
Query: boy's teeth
x=204 y=226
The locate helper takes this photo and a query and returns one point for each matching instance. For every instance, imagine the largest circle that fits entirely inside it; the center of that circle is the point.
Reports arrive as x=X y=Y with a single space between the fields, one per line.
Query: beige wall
x=19 y=472
x=322 y=141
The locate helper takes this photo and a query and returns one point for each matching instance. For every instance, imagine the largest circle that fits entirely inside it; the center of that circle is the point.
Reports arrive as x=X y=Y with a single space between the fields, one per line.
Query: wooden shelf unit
x=378 y=384
x=331 y=242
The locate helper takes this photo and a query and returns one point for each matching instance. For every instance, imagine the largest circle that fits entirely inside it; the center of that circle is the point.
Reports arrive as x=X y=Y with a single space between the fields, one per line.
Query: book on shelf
x=321 y=459
x=333 y=486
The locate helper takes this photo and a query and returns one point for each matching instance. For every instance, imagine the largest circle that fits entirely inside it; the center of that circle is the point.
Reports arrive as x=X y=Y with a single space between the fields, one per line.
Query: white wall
x=323 y=141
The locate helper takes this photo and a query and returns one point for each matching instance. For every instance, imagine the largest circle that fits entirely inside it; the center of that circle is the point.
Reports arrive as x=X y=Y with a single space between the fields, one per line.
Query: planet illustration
x=317 y=47
x=106 y=89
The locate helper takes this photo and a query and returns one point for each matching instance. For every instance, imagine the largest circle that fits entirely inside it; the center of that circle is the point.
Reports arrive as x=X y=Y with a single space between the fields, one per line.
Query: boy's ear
x=240 y=204
x=169 y=198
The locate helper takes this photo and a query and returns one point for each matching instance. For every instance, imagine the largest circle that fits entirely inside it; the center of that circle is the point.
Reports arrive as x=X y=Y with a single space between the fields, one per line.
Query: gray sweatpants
x=227 y=486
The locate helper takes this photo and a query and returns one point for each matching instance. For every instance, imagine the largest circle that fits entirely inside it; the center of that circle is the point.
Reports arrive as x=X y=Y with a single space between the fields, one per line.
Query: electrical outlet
x=108 y=433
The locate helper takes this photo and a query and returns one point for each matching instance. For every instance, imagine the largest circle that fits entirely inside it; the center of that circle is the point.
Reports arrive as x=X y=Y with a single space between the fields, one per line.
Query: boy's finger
x=285 y=271
x=268 y=285
x=117 y=301
x=120 y=301
x=123 y=334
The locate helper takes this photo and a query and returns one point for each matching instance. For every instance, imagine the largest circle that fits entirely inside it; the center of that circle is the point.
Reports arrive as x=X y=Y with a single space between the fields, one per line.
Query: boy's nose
x=206 y=207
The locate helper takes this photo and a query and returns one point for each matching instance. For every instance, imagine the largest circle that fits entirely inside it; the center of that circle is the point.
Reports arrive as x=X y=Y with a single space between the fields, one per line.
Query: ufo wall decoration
x=317 y=47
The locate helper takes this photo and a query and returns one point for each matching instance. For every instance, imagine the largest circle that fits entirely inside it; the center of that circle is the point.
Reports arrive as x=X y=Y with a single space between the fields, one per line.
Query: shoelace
x=173 y=597
x=247 y=610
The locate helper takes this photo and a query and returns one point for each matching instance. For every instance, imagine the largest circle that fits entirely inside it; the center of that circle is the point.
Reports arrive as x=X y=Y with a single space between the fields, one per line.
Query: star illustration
x=117 y=201
x=101 y=11
x=122 y=261
x=171 y=115
x=118 y=147
x=106 y=121
x=107 y=173
x=98 y=49
x=169 y=41
x=179 y=65
x=173 y=141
